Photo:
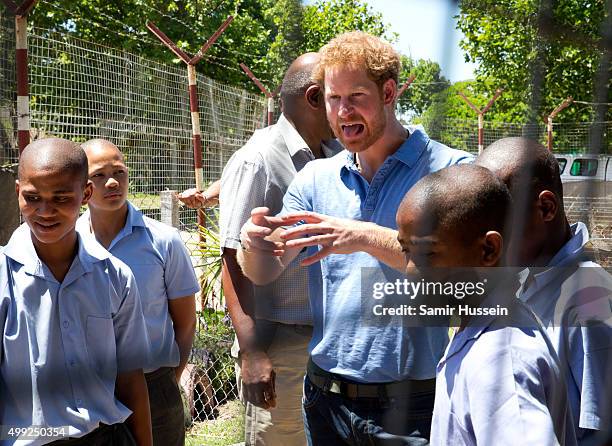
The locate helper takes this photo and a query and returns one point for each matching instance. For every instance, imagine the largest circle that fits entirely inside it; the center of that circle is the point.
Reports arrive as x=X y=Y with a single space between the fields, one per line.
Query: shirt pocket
x=101 y=346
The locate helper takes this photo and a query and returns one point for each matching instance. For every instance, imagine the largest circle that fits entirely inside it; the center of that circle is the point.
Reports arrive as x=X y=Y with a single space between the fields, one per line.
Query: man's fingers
x=302 y=230
x=260 y=217
x=322 y=253
x=306 y=216
x=323 y=240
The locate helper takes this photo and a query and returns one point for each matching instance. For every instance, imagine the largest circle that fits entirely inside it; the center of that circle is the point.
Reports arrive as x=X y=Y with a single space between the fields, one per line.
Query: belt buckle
x=336 y=386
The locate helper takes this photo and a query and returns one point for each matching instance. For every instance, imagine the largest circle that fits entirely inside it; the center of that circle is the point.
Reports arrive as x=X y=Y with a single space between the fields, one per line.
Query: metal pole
x=21 y=68
x=404 y=87
x=270 y=110
x=264 y=90
x=481 y=114
x=193 y=99
x=195 y=126
x=480 y=133
x=549 y=121
x=549 y=133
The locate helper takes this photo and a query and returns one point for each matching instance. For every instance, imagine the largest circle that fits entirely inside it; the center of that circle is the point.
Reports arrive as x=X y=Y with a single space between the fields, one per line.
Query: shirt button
x=66 y=324
x=72 y=362
x=79 y=402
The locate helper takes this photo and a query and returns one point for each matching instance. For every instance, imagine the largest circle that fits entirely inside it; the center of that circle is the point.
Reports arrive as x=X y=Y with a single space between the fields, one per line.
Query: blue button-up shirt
x=157 y=256
x=572 y=296
x=342 y=343
x=500 y=383
x=64 y=343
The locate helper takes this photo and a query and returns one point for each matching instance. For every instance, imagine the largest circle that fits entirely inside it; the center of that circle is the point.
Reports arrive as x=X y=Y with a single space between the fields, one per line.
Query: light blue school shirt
x=64 y=343
x=342 y=343
x=500 y=383
x=157 y=256
x=572 y=296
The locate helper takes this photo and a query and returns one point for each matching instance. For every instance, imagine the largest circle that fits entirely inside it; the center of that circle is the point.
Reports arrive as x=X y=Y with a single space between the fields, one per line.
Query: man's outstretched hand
x=333 y=235
x=259 y=227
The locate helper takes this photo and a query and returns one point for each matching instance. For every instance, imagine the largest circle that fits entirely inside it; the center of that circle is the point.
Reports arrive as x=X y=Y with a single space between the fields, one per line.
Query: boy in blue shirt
x=73 y=335
x=499 y=380
x=571 y=294
x=165 y=277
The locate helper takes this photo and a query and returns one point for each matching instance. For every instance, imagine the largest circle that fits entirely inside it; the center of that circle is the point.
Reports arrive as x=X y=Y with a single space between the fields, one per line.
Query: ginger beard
x=355 y=108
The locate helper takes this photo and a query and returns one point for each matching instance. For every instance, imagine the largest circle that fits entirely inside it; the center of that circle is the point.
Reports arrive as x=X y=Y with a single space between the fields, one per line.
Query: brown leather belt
x=331 y=383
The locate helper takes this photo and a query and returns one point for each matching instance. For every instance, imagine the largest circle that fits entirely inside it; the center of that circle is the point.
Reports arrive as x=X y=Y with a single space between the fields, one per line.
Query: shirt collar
x=570 y=254
x=293 y=139
x=133 y=219
x=574 y=247
x=20 y=248
x=408 y=153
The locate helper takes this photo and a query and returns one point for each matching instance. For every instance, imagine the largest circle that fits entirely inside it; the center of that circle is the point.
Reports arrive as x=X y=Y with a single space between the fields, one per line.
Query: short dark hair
x=522 y=162
x=54 y=153
x=296 y=83
x=467 y=199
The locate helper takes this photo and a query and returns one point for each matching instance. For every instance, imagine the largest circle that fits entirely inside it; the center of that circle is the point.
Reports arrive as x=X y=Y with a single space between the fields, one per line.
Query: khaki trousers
x=282 y=425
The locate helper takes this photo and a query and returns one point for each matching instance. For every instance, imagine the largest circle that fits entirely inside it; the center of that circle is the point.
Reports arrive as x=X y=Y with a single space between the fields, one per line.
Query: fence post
x=21 y=69
x=169 y=206
x=481 y=114
x=549 y=121
x=271 y=96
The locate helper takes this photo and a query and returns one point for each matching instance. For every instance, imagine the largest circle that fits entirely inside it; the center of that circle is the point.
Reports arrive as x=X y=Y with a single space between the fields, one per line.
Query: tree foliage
x=429 y=81
x=539 y=51
x=265 y=34
x=326 y=19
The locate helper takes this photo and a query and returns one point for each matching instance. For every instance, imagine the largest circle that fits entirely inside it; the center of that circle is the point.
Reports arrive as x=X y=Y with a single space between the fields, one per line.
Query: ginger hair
x=357 y=49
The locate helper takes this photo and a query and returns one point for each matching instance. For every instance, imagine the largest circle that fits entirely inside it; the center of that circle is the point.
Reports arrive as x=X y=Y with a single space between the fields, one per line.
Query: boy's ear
x=87 y=192
x=492 y=247
x=389 y=91
x=548 y=205
x=314 y=96
x=17 y=187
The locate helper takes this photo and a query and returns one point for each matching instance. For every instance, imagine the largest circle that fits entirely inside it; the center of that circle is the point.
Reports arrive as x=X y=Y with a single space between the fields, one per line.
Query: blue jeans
x=331 y=419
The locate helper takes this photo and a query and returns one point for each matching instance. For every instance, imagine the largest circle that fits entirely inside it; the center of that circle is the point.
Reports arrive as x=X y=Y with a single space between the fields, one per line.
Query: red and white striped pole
x=21 y=69
x=271 y=97
x=195 y=127
x=193 y=92
x=194 y=108
x=481 y=114
x=549 y=121
x=404 y=87
x=480 y=133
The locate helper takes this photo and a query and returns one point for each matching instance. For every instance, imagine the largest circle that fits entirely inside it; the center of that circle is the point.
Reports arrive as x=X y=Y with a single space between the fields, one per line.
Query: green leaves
x=517 y=41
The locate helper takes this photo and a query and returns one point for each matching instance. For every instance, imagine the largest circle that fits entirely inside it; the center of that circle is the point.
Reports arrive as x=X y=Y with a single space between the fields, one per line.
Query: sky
x=426 y=30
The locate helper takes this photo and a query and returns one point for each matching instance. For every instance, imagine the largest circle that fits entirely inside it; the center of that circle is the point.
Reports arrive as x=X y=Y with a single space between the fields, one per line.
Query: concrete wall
x=9 y=209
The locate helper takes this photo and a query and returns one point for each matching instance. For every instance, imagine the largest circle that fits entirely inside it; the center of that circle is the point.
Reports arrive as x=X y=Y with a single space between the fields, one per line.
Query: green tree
x=324 y=20
x=538 y=55
x=428 y=82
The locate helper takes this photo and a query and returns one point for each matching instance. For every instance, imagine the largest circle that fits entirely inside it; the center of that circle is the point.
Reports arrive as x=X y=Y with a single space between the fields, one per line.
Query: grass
x=227 y=429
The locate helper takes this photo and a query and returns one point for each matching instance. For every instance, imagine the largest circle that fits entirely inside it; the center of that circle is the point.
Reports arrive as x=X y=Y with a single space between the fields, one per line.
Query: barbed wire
x=142 y=37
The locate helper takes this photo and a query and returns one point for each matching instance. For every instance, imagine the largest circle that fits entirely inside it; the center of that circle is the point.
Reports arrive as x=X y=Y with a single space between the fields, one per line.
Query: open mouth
x=46 y=226
x=352 y=130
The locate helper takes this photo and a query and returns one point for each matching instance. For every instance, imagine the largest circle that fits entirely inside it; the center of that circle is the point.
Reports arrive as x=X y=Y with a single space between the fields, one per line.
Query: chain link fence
x=574 y=137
